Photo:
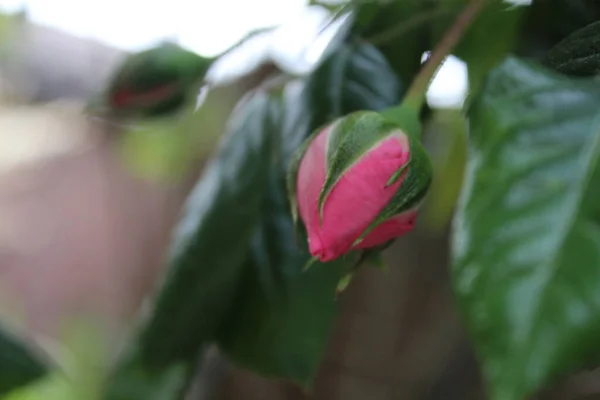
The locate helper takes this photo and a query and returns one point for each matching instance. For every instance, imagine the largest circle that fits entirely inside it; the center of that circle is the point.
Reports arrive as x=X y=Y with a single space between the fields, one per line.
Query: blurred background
x=93 y=36
x=81 y=234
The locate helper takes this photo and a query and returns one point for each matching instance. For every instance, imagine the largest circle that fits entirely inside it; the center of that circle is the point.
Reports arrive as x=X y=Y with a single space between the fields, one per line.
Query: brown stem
x=417 y=91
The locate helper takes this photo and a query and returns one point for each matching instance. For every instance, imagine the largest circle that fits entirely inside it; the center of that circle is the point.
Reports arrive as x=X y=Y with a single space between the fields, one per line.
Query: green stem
x=415 y=96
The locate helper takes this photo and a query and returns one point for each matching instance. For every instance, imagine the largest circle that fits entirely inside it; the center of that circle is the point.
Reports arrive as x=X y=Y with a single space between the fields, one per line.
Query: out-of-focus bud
x=155 y=82
x=358 y=183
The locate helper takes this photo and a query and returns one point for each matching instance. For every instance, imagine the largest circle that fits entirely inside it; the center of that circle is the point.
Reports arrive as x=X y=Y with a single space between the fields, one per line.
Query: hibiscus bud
x=358 y=183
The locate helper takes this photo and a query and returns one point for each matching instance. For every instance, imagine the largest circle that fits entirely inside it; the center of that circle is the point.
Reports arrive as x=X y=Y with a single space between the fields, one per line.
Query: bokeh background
x=81 y=234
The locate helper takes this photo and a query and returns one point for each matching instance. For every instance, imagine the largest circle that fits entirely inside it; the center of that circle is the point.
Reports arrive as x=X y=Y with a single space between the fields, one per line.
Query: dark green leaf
x=18 y=364
x=578 y=54
x=283 y=316
x=212 y=239
x=550 y=21
x=135 y=382
x=355 y=77
x=400 y=30
x=526 y=253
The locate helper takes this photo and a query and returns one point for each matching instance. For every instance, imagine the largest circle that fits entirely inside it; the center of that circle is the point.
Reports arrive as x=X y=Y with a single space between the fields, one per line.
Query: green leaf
x=137 y=383
x=578 y=54
x=526 y=251
x=355 y=77
x=550 y=21
x=399 y=29
x=211 y=241
x=283 y=316
x=19 y=365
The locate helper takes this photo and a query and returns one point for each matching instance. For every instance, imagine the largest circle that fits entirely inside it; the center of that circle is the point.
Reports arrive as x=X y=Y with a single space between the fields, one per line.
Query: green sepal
x=375 y=259
x=396 y=175
x=311 y=261
x=348 y=141
x=373 y=256
x=344 y=283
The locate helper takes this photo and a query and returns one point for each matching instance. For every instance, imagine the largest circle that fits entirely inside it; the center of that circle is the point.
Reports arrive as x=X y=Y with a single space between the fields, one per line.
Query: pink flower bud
x=355 y=187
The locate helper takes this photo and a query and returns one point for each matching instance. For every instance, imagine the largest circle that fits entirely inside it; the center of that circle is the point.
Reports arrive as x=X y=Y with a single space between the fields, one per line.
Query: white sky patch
x=207 y=27
x=450 y=86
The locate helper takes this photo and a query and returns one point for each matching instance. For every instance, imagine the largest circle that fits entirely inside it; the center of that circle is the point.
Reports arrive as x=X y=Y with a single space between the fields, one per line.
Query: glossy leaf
x=526 y=251
x=578 y=54
x=283 y=316
x=19 y=365
x=211 y=241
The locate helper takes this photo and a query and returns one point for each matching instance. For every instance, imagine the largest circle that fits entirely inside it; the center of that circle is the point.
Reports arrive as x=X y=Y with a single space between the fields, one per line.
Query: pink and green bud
x=358 y=183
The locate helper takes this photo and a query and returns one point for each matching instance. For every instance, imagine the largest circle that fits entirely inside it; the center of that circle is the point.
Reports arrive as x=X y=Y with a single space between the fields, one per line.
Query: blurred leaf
x=578 y=54
x=211 y=241
x=83 y=363
x=445 y=138
x=157 y=150
x=55 y=386
x=281 y=322
x=550 y=21
x=18 y=364
x=331 y=5
x=137 y=383
x=355 y=77
x=526 y=252
x=169 y=148
x=283 y=316
x=10 y=26
x=380 y=21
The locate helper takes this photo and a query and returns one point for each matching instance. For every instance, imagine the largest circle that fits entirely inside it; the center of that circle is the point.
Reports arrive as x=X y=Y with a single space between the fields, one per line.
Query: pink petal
x=311 y=176
x=354 y=201
x=389 y=230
